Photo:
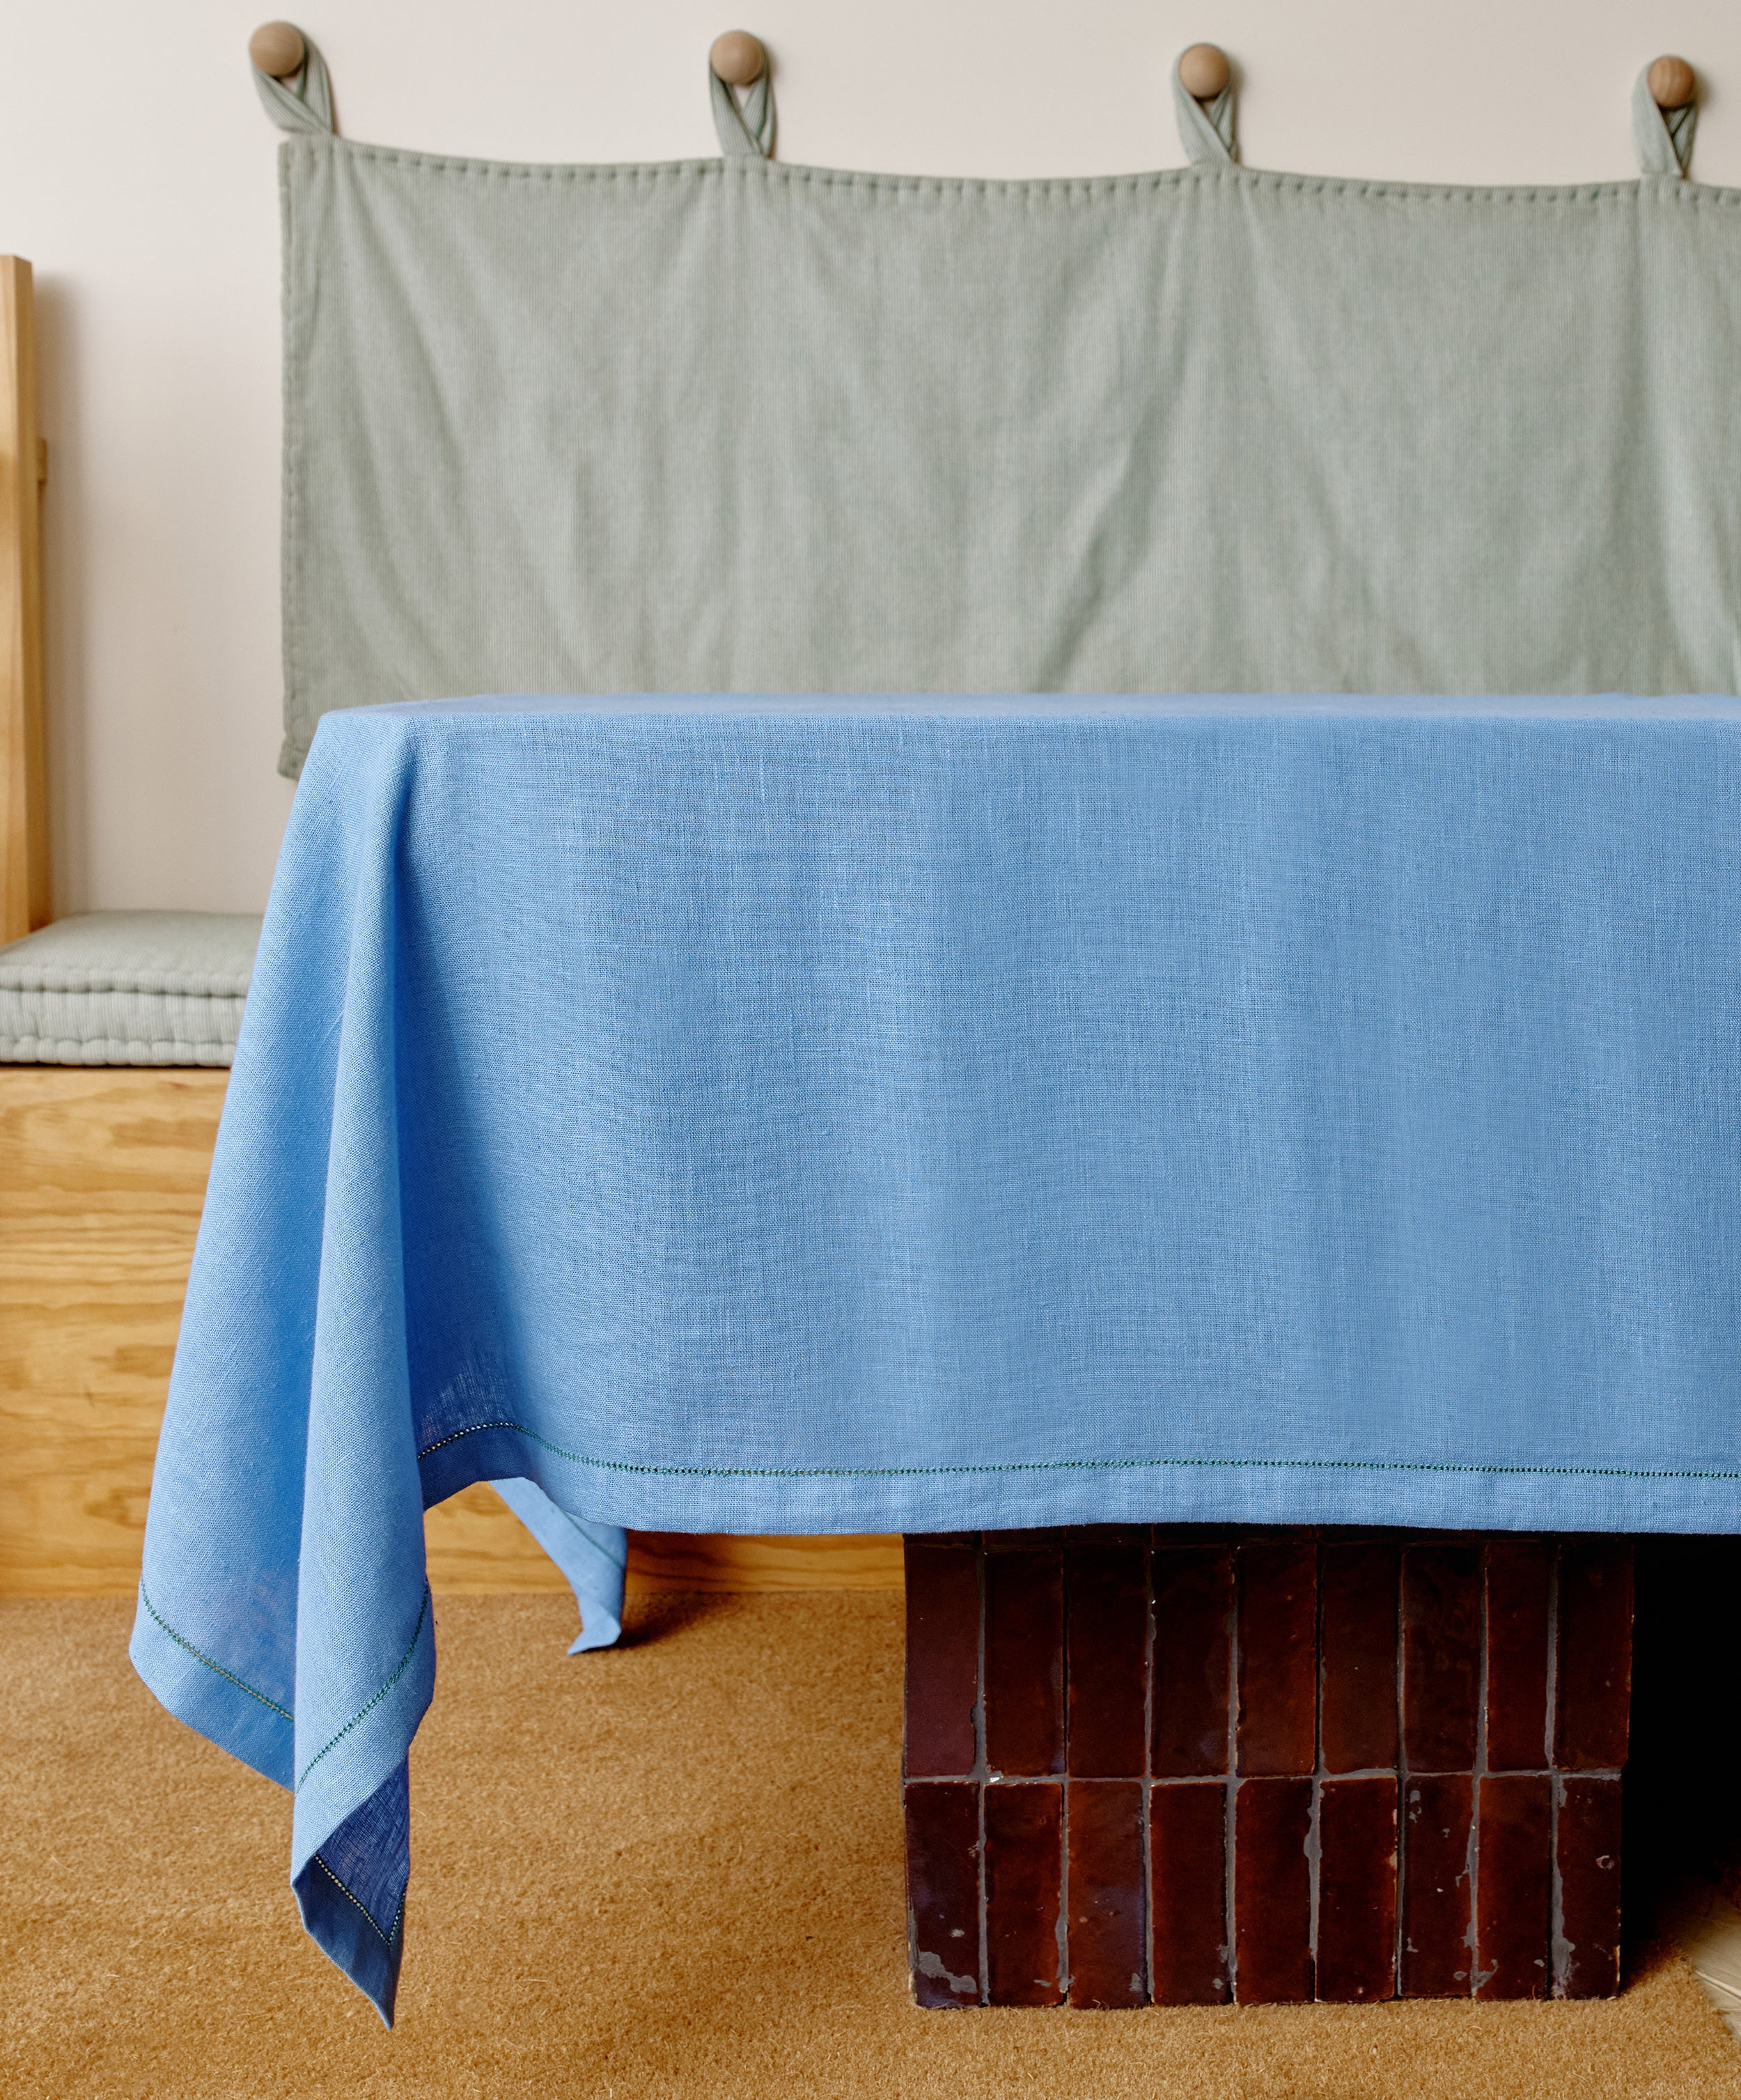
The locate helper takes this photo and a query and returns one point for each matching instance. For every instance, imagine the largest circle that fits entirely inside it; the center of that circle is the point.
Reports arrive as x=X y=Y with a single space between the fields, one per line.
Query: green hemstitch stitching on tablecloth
x=363 y=1712
x=387 y=1937
x=1078 y=1466
x=228 y=1676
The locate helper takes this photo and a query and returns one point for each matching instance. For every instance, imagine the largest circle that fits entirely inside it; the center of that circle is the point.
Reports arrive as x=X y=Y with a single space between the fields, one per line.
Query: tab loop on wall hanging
x=291 y=78
x=738 y=78
x=1665 y=114
x=1203 y=100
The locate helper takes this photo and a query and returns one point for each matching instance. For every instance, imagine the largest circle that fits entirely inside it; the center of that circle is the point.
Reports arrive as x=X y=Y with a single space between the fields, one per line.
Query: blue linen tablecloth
x=894 y=1115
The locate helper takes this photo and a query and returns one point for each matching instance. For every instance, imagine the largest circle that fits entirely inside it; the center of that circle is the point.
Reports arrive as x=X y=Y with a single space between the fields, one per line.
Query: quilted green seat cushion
x=127 y=988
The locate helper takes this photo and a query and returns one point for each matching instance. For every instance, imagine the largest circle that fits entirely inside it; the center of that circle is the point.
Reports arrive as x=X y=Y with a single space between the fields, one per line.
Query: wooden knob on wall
x=737 y=58
x=1204 y=71
x=1673 y=83
x=277 y=49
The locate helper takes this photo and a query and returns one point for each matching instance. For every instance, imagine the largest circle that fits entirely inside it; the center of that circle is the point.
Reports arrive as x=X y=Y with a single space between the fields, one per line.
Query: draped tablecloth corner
x=350 y=1882
x=594 y=1557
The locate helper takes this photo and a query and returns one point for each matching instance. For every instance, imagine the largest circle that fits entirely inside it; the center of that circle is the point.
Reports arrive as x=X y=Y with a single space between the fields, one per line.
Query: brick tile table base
x=1182 y=1766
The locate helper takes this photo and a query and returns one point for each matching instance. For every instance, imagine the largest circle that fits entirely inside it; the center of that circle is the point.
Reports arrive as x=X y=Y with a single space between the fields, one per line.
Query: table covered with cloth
x=871 y=1115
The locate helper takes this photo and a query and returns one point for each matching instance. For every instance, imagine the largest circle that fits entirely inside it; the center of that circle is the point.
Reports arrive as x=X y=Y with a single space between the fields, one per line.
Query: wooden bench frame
x=23 y=469
x=103 y=1175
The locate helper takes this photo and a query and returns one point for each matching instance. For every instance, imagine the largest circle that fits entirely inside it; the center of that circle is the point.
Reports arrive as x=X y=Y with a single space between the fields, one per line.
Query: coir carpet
x=672 y=1869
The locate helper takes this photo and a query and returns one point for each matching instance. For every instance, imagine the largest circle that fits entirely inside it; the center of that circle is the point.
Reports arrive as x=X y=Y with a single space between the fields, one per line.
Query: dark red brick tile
x=1513 y=1888
x=1587 y=1937
x=1193 y=1661
x=1519 y=1579
x=942 y=1863
x=1441 y=1656
x=1104 y=1840
x=1357 y=1890
x=1106 y=1589
x=1188 y=1824
x=942 y=1657
x=1437 y=1956
x=1272 y=1892
x=1592 y=1687
x=1278 y=1655
x=1358 y=1623
x=1025 y=1660
x=1024 y=1885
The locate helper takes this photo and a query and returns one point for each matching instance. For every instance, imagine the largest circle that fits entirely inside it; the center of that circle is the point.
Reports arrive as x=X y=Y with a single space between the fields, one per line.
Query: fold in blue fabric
x=594 y=1557
x=907 y=1115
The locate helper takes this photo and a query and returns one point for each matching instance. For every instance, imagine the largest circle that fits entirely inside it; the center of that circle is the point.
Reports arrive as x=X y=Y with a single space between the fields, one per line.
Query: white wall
x=137 y=171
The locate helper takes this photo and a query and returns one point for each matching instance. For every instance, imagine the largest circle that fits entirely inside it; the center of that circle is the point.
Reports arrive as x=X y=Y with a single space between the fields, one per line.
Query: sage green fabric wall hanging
x=733 y=425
